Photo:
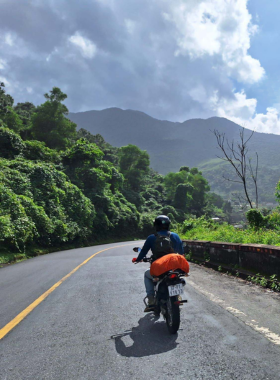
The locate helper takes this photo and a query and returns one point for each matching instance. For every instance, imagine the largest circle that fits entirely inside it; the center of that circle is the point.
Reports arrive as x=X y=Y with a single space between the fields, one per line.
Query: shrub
x=255 y=218
x=37 y=150
x=39 y=204
x=11 y=145
x=16 y=228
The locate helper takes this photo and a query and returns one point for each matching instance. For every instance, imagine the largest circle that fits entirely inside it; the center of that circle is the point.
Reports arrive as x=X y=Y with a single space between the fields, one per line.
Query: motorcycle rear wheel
x=172 y=315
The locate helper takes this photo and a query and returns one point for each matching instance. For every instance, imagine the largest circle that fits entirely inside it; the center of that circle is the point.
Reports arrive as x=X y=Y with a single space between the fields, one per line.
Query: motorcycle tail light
x=173 y=276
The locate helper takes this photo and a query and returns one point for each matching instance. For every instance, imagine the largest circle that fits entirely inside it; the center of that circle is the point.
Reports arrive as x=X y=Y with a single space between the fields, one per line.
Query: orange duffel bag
x=169 y=262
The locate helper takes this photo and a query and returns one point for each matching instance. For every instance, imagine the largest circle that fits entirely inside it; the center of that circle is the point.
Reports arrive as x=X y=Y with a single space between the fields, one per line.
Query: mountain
x=191 y=143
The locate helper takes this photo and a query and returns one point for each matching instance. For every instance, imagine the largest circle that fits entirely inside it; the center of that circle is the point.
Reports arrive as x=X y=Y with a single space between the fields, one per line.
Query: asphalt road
x=92 y=326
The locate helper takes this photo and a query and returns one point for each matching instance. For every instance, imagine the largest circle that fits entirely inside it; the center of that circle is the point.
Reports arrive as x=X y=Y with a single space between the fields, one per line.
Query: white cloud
x=242 y=111
x=9 y=39
x=5 y=81
x=216 y=27
x=87 y=47
x=199 y=93
x=238 y=107
x=110 y=3
x=268 y=123
x=130 y=25
x=2 y=64
x=11 y=45
x=174 y=59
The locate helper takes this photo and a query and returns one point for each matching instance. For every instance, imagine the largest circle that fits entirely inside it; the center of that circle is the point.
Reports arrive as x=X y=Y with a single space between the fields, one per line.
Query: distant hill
x=191 y=143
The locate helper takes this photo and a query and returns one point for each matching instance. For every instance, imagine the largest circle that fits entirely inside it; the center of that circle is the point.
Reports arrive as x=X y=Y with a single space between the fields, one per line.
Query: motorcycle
x=168 y=290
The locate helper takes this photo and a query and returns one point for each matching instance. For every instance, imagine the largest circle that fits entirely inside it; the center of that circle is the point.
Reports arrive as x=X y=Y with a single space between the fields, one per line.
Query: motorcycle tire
x=172 y=315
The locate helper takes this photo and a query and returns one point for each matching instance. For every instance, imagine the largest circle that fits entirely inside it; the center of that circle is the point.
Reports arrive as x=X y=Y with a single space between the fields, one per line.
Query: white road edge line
x=271 y=336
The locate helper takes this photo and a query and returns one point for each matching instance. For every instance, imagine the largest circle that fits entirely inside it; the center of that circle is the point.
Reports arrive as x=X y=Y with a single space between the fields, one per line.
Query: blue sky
x=265 y=47
x=173 y=59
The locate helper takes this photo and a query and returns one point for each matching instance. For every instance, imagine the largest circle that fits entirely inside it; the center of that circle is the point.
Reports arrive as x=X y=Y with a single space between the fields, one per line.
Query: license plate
x=175 y=290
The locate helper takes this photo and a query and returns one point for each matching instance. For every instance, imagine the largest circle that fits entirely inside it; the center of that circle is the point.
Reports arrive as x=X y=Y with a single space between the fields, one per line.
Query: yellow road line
x=6 y=329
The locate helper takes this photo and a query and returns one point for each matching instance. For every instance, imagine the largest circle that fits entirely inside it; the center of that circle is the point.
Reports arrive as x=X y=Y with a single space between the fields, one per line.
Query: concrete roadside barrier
x=255 y=258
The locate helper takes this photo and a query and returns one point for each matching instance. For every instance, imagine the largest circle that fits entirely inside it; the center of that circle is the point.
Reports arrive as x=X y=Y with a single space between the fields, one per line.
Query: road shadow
x=150 y=337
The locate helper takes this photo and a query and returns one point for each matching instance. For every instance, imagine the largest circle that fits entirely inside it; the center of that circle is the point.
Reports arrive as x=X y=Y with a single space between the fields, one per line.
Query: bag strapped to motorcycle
x=169 y=262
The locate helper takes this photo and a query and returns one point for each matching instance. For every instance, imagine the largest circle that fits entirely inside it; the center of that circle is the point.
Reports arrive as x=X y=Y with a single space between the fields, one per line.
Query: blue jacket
x=150 y=244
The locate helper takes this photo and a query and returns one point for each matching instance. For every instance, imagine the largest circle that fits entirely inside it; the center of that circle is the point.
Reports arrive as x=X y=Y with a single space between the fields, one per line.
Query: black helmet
x=162 y=222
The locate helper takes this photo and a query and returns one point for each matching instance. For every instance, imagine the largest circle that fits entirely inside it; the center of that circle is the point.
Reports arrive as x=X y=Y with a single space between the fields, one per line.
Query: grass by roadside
x=8 y=258
x=211 y=231
x=208 y=230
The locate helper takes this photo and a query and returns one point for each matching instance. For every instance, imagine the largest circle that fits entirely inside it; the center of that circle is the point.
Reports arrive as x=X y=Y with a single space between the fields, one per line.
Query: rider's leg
x=149 y=285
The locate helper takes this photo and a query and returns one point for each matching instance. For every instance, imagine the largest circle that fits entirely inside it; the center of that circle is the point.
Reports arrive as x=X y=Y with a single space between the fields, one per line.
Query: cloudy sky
x=173 y=59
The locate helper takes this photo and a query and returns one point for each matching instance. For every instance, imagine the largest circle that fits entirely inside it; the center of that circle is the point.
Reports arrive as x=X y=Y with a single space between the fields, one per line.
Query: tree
x=134 y=165
x=172 y=180
x=5 y=101
x=7 y=114
x=186 y=190
x=215 y=199
x=237 y=157
x=216 y=206
x=12 y=120
x=82 y=154
x=11 y=145
x=25 y=112
x=277 y=193
x=182 y=196
x=195 y=171
x=110 y=152
x=201 y=187
x=184 y=168
x=49 y=123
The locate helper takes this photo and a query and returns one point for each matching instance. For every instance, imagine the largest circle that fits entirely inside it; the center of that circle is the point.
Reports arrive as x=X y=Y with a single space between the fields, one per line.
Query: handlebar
x=145 y=260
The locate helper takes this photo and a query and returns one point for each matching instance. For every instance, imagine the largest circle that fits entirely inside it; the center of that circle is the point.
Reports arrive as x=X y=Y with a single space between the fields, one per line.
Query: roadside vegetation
x=260 y=230
x=63 y=188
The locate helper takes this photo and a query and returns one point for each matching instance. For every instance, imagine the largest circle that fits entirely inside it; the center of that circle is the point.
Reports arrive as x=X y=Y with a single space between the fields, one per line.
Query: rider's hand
x=134 y=260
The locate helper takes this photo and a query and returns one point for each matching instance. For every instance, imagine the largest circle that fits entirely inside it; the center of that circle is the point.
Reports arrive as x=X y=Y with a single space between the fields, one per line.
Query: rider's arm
x=178 y=243
x=146 y=247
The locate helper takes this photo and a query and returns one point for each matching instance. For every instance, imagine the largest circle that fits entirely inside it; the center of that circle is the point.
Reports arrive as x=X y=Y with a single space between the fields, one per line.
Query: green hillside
x=214 y=170
x=192 y=143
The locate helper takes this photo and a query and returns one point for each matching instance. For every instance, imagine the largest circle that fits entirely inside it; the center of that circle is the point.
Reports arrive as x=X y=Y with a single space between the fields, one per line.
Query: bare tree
x=254 y=175
x=237 y=156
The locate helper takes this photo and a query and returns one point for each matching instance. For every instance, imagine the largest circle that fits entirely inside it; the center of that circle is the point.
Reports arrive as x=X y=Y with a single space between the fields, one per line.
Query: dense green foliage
x=49 y=123
x=39 y=204
x=101 y=182
x=59 y=186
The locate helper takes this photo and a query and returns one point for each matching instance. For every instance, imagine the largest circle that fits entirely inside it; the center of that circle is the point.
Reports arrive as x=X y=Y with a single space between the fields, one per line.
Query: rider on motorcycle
x=161 y=224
